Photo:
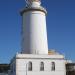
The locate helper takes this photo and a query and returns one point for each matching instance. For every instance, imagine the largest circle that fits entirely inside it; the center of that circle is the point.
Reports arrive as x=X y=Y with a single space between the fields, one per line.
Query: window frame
x=41 y=66
x=30 y=66
x=52 y=66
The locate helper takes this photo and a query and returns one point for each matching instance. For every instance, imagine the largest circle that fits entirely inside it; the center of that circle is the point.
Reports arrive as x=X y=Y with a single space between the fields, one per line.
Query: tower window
x=42 y=66
x=53 y=66
x=30 y=66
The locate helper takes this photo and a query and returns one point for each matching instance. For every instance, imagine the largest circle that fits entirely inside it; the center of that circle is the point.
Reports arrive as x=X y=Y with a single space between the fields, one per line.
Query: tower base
x=29 y=64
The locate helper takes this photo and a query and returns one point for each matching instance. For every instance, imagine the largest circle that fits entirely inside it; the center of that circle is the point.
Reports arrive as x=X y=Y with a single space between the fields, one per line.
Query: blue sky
x=60 y=27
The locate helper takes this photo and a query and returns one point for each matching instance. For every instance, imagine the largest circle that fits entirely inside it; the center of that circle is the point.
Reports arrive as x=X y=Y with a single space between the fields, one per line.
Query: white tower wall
x=34 y=34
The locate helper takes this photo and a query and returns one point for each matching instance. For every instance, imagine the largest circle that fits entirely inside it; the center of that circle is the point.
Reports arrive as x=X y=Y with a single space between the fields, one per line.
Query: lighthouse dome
x=33 y=3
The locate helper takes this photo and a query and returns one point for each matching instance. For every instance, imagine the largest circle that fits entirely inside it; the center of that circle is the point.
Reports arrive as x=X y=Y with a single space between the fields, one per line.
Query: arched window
x=53 y=66
x=42 y=66
x=30 y=66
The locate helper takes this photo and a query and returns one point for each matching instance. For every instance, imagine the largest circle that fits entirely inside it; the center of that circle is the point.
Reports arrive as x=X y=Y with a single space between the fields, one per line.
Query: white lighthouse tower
x=34 y=33
x=34 y=58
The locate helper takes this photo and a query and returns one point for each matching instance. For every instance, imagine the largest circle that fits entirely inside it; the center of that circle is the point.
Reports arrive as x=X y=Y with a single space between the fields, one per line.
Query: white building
x=34 y=58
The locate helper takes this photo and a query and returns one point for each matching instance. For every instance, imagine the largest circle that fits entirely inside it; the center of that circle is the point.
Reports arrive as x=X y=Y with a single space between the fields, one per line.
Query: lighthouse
x=34 y=58
x=34 y=33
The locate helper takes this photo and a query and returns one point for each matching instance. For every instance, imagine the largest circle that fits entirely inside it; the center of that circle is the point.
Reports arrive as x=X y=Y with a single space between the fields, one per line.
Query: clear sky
x=60 y=27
